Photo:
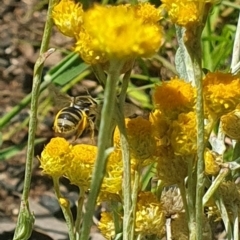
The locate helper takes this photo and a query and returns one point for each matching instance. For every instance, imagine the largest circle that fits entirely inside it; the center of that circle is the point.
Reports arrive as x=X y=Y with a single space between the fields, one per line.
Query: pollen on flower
x=221 y=93
x=174 y=97
x=150 y=219
x=121 y=34
x=79 y=172
x=68 y=17
x=55 y=157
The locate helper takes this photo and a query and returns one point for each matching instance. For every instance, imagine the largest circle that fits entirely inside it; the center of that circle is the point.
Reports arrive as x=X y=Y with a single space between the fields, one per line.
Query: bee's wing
x=130 y=110
x=60 y=99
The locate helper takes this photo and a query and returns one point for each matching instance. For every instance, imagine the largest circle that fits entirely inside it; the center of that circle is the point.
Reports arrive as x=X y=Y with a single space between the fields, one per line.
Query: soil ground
x=21 y=28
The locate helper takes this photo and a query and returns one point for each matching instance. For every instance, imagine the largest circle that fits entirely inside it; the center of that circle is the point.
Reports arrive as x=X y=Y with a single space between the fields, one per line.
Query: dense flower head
x=122 y=33
x=182 y=12
x=174 y=97
x=160 y=125
x=56 y=157
x=68 y=17
x=84 y=47
x=211 y=165
x=185 y=12
x=106 y=225
x=150 y=219
x=141 y=141
x=147 y=12
x=104 y=32
x=112 y=182
x=231 y=124
x=171 y=168
x=184 y=134
x=80 y=170
x=221 y=93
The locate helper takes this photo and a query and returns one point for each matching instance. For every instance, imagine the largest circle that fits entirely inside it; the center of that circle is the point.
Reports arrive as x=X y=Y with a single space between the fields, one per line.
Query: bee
x=81 y=112
x=78 y=114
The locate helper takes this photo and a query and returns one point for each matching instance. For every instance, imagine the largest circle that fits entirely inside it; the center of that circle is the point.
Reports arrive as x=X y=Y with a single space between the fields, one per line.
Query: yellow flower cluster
x=125 y=31
x=174 y=120
x=142 y=143
x=106 y=225
x=59 y=158
x=186 y=12
x=184 y=135
x=55 y=157
x=221 y=94
x=68 y=17
x=150 y=219
x=231 y=124
x=112 y=183
x=211 y=164
x=174 y=128
x=174 y=97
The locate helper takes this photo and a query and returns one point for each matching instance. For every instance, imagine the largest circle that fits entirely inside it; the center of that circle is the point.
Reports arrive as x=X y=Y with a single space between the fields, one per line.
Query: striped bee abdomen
x=67 y=120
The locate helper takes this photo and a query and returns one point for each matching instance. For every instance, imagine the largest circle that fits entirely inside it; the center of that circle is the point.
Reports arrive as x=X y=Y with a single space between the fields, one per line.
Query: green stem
x=24 y=208
x=191 y=196
x=116 y=216
x=224 y=215
x=79 y=213
x=200 y=152
x=134 y=201
x=65 y=209
x=184 y=199
x=126 y=187
x=214 y=186
x=192 y=46
x=104 y=139
x=235 y=221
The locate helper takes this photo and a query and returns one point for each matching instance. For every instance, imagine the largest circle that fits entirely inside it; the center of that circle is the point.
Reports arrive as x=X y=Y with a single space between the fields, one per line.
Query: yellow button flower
x=112 y=183
x=142 y=143
x=211 y=165
x=184 y=134
x=174 y=97
x=79 y=172
x=185 y=12
x=160 y=126
x=221 y=93
x=68 y=17
x=120 y=33
x=231 y=124
x=56 y=157
x=106 y=225
x=150 y=219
